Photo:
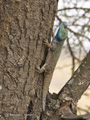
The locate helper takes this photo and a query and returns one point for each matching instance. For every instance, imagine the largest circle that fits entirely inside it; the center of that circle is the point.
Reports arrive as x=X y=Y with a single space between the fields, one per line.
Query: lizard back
x=52 y=58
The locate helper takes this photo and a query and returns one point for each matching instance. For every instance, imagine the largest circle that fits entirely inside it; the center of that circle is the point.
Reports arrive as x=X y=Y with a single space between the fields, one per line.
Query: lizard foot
x=46 y=42
x=42 y=69
x=38 y=69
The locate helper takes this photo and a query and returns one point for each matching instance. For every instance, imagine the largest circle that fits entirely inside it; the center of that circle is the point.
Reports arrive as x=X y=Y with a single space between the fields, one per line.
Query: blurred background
x=76 y=15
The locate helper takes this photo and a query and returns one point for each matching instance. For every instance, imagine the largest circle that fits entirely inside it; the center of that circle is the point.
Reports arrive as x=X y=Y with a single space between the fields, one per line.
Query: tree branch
x=72 y=55
x=79 y=117
x=78 y=34
x=77 y=8
x=79 y=81
x=75 y=33
x=72 y=92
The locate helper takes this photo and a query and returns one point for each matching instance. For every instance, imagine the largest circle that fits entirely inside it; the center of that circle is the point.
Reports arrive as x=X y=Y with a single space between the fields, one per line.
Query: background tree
x=24 y=25
x=76 y=15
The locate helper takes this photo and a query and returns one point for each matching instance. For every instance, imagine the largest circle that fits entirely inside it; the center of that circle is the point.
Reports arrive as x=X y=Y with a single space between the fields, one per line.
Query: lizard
x=54 y=51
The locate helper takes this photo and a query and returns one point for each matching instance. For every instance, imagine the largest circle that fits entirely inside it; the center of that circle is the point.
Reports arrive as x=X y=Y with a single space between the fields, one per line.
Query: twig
x=81 y=109
x=78 y=34
x=77 y=8
x=75 y=33
x=72 y=55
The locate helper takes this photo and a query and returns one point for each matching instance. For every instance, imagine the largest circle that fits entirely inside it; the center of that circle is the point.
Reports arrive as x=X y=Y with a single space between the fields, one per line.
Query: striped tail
x=44 y=99
x=47 y=81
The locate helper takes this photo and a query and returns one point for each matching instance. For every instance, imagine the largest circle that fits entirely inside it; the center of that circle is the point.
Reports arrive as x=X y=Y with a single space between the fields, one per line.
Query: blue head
x=62 y=32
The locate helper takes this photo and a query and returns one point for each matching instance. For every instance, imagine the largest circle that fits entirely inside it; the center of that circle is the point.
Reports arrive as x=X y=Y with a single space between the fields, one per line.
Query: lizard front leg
x=42 y=69
x=51 y=46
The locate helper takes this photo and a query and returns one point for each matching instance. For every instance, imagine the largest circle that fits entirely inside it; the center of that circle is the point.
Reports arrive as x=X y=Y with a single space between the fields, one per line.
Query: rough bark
x=64 y=103
x=24 y=25
x=79 y=82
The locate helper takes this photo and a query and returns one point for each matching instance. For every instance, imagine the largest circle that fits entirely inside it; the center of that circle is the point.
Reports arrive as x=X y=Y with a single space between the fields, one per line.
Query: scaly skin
x=53 y=54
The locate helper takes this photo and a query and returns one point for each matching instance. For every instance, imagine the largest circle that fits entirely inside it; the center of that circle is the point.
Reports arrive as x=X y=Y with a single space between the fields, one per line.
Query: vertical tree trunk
x=24 y=25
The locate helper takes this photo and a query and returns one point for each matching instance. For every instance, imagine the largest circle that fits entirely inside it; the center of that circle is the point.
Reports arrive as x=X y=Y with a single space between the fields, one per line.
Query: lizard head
x=62 y=32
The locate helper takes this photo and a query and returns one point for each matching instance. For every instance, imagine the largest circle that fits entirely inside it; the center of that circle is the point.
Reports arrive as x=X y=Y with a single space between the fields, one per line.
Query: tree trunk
x=24 y=25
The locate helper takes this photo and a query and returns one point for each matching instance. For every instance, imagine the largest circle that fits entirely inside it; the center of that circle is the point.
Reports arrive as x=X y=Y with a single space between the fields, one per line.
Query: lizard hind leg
x=42 y=69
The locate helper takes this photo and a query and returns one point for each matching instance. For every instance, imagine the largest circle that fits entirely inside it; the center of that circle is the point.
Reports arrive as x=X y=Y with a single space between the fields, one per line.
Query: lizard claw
x=37 y=69
x=42 y=69
x=46 y=42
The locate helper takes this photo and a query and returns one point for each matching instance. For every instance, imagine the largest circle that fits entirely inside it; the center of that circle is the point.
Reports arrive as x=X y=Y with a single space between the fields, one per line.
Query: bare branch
x=78 y=34
x=75 y=117
x=77 y=8
x=72 y=55
x=75 y=33
x=58 y=18
x=81 y=109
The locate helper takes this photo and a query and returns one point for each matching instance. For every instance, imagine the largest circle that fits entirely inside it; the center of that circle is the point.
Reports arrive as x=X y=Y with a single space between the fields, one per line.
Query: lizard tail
x=47 y=81
x=44 y=100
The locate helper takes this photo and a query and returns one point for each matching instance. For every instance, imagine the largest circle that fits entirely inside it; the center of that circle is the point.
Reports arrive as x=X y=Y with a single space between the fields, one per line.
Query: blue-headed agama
x=54 y=51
